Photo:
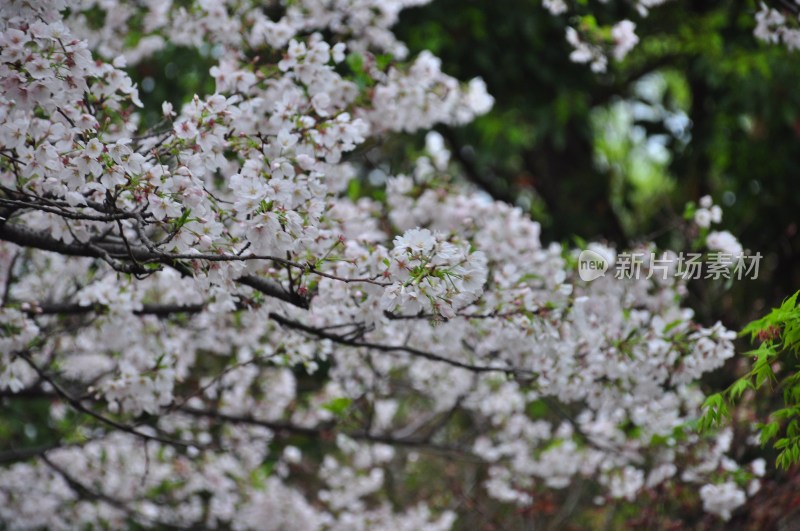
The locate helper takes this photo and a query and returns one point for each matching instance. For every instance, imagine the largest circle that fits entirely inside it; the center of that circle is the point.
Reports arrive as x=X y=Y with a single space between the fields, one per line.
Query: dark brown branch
x=216 y=380
x=9 y=279
x=87 y=493
x=276 y=426
x=27 y=237
x=69 y=214
x=78 y=406
x=35 y=392
x=110 y=251
x=273 y=289
x=324 y=432
x=489 y=315
x=69 y=308
x=343 y=340
x=23 y=454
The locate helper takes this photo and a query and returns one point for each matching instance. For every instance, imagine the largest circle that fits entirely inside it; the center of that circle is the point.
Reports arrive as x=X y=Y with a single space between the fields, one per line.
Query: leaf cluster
x=775 y=364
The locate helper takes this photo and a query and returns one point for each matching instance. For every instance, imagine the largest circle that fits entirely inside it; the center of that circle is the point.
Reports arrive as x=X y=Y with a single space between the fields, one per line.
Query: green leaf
x=672 y=325
x=768 y=432
x=739 y=387
x=781 y=443
x=790 y=303
x=354 y=190
x=338 y=406
x=355 y=62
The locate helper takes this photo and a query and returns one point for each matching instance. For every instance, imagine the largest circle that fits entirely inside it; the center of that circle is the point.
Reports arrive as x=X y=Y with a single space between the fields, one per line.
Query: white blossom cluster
x=707 y=213
x=623 y=40
x=591 y=46
x=720 y=241
x=431 y=275
x=775 y=27
x=189 y=300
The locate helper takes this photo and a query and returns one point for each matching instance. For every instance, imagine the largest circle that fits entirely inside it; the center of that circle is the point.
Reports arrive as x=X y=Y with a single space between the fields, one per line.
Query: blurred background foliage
x=699 y=107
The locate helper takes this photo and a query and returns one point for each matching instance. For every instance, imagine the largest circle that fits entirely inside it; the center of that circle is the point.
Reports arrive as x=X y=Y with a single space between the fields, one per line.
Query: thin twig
x=78 y=406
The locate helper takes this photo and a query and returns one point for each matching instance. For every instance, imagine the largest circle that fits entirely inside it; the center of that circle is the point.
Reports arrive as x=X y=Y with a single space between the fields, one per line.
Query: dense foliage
x=775 y=364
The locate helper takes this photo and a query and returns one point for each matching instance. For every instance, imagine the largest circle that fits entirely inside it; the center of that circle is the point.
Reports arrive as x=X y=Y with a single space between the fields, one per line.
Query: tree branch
x=69 y=308
x=87 y=493
x=78 y=406
x=27 y=237
x=327 y=432
x=23 y=454
x=343 y=340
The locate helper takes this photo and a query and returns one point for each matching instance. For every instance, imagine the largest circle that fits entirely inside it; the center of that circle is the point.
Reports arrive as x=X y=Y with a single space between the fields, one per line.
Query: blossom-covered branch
x=218 y=335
